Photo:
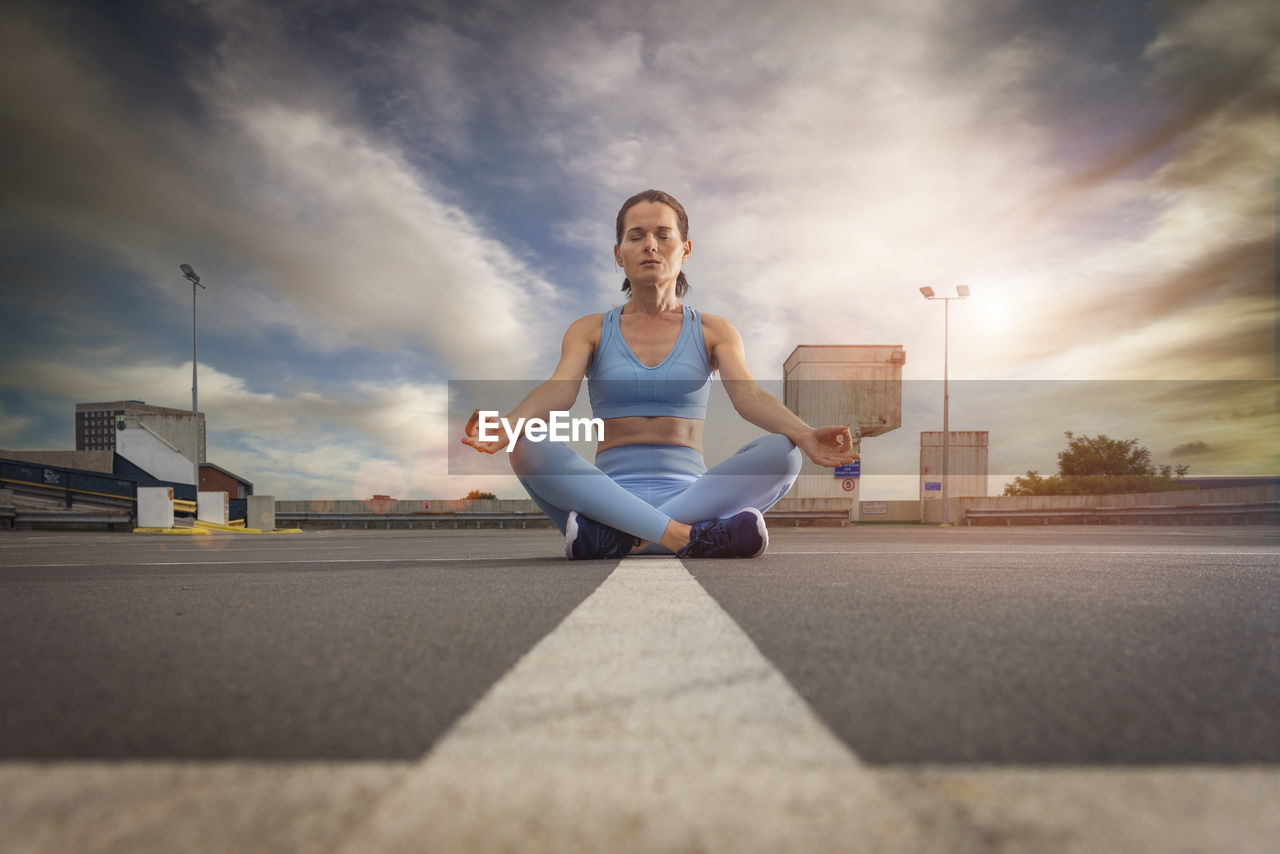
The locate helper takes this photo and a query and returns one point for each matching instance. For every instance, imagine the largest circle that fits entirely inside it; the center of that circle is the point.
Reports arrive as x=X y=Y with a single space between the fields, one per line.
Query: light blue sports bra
x=620 y=385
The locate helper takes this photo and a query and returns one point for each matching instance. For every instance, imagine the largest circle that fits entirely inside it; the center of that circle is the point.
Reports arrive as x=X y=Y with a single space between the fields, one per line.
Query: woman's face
x=652 y=250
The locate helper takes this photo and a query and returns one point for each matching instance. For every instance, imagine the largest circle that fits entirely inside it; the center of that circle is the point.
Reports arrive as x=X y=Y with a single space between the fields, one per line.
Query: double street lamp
x=962 y=292
x=191 y=276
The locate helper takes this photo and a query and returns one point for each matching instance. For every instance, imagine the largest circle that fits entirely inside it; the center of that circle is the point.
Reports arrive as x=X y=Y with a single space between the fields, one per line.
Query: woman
x=649 y=364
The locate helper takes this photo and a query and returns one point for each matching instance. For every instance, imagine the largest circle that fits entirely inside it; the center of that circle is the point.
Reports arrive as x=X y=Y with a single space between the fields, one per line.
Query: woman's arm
x=827 y=446
x=556 y=394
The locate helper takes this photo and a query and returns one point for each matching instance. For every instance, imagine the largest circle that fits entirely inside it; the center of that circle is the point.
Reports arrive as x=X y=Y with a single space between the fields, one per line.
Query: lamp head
x=928 y=292
x=962 y=290
x=189 y=274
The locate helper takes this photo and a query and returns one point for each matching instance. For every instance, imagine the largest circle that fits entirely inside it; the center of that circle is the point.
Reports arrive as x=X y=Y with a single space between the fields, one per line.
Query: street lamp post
x=191 y=276
x=962 y=292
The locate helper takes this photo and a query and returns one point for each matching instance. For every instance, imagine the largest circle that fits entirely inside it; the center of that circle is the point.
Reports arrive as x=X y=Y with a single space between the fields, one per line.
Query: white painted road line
x=1243 y=550
x=161 y=807
x=258 y=563
x=647 y=721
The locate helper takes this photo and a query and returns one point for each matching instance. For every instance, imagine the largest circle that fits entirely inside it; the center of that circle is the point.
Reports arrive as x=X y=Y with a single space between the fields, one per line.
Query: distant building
x=97 y=424
x=967 y=463
x=859 y=385
x=217 y=479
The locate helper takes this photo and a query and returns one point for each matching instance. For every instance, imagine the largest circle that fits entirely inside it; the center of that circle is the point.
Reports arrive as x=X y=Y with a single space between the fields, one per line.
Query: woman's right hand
x=828 y=446
x=471 y=436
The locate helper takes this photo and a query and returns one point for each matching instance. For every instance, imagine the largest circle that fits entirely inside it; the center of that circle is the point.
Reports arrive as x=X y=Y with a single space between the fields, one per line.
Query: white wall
x=153 y=455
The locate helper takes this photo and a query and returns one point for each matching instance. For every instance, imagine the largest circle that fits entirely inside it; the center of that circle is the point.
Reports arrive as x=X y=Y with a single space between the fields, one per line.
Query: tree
x=1102 y=455
x=477 y=495
x=1100 y=466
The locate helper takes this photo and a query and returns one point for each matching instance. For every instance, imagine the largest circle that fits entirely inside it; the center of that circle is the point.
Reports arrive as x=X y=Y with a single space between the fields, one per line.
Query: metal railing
x=85 y=497
x=798 y=516
x=67 y=484
x=1236 y=513
x=514 y=518
x=430 y=520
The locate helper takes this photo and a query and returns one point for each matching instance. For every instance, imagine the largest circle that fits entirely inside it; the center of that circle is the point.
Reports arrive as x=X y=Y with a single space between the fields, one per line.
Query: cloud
x=1189 y=449
x=281 y=442
x=310 y=223
x=436 y=189
x=14 y=427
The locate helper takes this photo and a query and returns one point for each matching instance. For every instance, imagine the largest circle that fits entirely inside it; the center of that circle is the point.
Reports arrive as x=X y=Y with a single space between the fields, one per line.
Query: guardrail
x=68 y=484
x=85 y=497
x=502 y=520
x=798 y=516
x=29 y=517
x=434 y=520
x=1239 y=513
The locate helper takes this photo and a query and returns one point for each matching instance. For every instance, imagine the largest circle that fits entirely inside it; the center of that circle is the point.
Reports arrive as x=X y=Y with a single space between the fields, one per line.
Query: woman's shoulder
x=586 y=327
x=716 y=326
x=588 y=320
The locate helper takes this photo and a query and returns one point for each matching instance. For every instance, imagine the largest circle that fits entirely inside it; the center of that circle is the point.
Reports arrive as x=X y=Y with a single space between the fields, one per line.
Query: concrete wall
x=794 y=503
x=260 y=512
x=99 y=461
x=408 y=505
x=155 y=507
x=212 y=507
x=889 y=511
x=966 y=469
x=174 y=429
x=1183 y=498
x=895 y=511
x=151 y=453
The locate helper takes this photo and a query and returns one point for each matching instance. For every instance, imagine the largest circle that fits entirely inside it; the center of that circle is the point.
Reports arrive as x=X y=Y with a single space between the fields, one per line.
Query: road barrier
x=431 y=520
x=68 y=484
x=1234 y=513
x=65 y=496
x=514 y=519
x=798 y=516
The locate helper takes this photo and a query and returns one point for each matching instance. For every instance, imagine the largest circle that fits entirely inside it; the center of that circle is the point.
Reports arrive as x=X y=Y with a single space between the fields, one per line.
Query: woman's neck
x=656 y=299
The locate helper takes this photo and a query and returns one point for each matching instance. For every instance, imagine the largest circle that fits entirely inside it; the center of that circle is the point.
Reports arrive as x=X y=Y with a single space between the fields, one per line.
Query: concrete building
x=966 y=470
x=98 y=423
x=858 y=385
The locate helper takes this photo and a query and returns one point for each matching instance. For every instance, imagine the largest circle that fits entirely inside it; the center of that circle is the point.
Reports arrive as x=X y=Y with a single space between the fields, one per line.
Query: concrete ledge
x=170 y=531
x=416 y=521
x=808 y=517
x=240 y=529
x=1257 y=512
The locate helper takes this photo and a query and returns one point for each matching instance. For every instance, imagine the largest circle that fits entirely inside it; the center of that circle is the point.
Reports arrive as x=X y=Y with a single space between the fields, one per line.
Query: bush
x=1101 y=466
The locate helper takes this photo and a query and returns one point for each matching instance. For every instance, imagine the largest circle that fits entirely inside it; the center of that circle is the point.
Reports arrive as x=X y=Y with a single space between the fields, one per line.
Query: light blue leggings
x=639 y=488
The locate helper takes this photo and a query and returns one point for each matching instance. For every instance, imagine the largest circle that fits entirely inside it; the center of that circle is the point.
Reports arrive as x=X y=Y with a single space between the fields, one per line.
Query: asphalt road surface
x=870 y=688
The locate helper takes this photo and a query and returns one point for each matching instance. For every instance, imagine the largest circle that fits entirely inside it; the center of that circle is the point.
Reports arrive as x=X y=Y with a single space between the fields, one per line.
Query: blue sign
x=933 y=486
x=853 y=469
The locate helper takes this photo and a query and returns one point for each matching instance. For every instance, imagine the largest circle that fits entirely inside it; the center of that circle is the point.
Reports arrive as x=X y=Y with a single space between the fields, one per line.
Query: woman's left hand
x=829 y=446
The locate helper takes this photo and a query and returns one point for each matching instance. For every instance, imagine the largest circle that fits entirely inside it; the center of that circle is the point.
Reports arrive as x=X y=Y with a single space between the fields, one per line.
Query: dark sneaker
x=741 y=535
x=588 y=540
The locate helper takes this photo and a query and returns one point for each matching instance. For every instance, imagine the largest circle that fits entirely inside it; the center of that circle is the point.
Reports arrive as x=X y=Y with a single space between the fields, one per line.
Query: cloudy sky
x=384 y=197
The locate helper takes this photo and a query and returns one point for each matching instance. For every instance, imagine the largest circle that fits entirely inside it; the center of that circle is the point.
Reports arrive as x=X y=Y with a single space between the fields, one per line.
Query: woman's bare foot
x=676 y=536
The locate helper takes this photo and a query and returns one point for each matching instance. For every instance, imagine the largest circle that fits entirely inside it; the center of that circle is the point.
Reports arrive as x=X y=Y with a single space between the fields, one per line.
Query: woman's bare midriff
x=652 y=430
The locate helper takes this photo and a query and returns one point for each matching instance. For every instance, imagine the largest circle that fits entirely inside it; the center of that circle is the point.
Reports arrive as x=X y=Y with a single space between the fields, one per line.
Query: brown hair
x=682 y=222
